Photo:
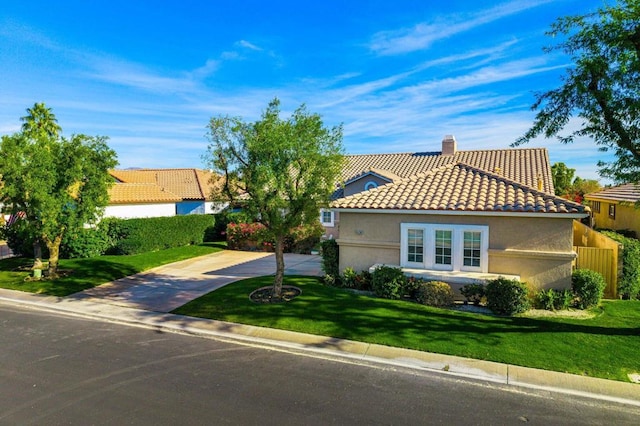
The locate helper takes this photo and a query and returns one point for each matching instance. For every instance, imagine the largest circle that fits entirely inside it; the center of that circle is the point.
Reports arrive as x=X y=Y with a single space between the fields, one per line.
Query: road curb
x=608 y=390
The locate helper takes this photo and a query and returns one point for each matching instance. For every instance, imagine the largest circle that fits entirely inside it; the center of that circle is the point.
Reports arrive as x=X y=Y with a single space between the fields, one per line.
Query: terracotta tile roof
x=131 y=193
x=519 y=165
x=188 y=184
x=459 y=187
x=628 y=192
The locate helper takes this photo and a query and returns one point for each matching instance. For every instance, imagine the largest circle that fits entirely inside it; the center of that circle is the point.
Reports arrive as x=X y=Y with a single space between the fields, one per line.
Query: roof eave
x=568 y=215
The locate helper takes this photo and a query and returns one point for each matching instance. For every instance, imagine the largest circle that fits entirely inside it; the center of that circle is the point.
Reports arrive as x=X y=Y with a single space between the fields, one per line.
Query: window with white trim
x=327 y=218
x=445 y=247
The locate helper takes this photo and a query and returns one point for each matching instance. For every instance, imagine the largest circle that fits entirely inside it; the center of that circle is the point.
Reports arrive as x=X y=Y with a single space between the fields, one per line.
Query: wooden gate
x=601 y=260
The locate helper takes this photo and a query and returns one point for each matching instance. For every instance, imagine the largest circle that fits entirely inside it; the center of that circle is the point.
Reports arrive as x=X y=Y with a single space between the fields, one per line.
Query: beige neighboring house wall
x=537 y=249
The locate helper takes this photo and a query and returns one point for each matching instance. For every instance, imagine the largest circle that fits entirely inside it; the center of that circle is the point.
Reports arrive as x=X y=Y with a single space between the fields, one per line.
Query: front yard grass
x=87 y=273
x=605 y=346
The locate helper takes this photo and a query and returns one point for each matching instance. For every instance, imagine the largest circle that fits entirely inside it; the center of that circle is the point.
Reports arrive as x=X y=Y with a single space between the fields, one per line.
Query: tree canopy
x=283 y=170
x=601 y=88
x=567 y=186
x=58 y=183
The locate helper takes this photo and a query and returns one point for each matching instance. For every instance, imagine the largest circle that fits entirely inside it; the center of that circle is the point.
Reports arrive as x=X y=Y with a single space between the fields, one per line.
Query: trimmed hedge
x=507 y=297
x=330 y=260
x=132 y=236
x=388 y=282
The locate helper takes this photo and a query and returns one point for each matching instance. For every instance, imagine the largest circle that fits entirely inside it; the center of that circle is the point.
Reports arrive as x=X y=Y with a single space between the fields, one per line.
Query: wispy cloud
x=423 y=35
x=248 y=45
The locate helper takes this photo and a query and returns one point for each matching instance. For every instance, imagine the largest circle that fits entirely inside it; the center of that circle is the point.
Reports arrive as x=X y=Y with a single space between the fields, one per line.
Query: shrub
x=507 y=297
x=348 y=278
x=388 y=282
x=303 y=239
x=19 y=239
x=84 y=242
x=553 y=299
x=411 y=286
x=588 y=286
x=473 y=293
x=246 y=236
x=224 y=218
x=434 y=293
x=330 y=258
x=629 y=284
x=132 y=236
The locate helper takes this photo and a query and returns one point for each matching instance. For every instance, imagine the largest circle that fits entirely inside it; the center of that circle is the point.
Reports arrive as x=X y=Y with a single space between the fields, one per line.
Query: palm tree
x=40 y=120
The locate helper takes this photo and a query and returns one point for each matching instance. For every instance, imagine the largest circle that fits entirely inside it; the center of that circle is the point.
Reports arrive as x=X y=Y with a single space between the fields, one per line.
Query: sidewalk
x=123 y=300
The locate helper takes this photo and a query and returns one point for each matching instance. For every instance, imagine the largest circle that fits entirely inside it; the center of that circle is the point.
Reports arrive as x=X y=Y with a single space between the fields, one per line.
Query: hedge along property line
x=132 y=236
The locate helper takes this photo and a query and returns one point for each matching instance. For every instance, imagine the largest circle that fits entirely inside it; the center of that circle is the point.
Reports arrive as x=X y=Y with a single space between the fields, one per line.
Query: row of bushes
x=502 y=296
x=119 y=236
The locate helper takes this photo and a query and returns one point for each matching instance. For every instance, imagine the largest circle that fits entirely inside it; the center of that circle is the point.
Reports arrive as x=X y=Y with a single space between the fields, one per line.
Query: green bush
x=629 y=284
x=84 y=243
x=132 y=236
x=588 y=287
x=19 y=239
x=434 y=293
x=473 y=293
x=222 y=219
x=554 y=299
x=355 y=280
x=303 y=239
x=388 y=282
x=507 y=297
x=330 y=258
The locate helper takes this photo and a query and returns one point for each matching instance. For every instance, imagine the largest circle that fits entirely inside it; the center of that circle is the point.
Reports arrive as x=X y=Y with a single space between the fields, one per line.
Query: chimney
x=449 y=145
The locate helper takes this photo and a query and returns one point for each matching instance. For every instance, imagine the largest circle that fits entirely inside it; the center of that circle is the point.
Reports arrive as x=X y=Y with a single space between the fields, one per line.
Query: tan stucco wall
x=627 y=217
x=538 y=249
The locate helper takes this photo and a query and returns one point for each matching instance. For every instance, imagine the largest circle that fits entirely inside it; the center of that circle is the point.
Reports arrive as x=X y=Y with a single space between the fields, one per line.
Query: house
x=160 y=192
x=615 y=208
x=457 y=216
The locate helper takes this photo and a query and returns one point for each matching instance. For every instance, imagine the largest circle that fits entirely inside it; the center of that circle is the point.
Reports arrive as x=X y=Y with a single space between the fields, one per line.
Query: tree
x=562 y=178
x=601 y=88
x=284 y=170
x=59 y=183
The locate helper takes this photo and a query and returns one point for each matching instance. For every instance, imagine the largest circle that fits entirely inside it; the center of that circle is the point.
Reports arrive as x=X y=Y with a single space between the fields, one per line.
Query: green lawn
x=87 y=273
x=606 y=346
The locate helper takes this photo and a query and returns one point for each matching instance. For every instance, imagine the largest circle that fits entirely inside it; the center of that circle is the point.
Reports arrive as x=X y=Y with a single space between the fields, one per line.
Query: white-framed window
x=370 y=185
x=445 y=247
x=327 y=218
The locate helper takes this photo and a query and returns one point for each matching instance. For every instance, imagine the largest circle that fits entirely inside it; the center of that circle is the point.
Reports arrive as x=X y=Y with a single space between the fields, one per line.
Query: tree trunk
x=277 y=282
x=54 y=255
x=37 y=255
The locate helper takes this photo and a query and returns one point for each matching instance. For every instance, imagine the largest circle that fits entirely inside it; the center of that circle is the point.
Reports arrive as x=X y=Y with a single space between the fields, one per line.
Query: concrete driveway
x=167 y=287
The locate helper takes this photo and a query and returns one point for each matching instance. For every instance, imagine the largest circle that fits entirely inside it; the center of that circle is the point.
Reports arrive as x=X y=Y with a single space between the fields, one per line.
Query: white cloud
x=248 y=45
x=423 y=35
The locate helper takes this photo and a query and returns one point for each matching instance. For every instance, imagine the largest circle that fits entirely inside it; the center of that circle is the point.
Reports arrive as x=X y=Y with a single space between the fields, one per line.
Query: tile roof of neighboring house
x=519 y=165
x=459 y=187
x=186 y=184
x=125 y=193
x=628 y=192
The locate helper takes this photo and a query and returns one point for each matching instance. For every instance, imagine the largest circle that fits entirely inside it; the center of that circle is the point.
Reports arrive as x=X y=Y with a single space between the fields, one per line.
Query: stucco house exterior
x=457 y=216
x=160 y=192
x=615 y=208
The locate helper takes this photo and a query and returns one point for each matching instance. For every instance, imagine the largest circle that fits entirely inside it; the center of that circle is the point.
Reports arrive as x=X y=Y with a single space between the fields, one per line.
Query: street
x=58 y=369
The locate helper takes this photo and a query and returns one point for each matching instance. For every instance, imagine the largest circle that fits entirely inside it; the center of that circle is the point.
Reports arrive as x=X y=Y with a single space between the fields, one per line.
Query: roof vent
x=449 y=145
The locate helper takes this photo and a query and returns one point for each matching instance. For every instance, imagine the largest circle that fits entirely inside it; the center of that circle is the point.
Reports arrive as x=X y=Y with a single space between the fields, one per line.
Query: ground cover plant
x=578 y=346
x=90 y=272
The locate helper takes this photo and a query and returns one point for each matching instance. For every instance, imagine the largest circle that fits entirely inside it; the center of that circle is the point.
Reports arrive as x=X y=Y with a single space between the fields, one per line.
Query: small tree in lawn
x=59 y=183
x=284 y=170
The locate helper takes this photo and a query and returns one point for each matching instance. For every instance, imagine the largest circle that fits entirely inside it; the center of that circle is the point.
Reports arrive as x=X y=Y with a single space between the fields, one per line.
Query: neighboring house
x=160 y=192
x=457 y=216
x=615 y=208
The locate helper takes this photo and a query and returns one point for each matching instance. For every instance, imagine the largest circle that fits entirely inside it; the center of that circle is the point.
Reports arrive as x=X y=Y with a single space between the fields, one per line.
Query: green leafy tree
x=283 y=170
x=562 y=178
x=59 y=183
x=601 y=88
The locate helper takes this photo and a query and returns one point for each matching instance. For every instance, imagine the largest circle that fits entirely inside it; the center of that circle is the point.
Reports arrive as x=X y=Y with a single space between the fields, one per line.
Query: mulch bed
x=265 y=294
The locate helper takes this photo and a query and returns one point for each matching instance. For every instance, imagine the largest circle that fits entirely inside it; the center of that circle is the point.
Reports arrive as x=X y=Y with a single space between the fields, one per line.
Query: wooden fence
x=599 y=253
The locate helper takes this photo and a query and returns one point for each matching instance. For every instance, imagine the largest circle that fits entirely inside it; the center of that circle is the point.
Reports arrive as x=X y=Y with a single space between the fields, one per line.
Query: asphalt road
x=62 y=370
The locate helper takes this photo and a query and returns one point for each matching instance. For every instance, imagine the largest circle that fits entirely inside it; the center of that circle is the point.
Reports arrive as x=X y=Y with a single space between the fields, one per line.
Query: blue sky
x=399 y=75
